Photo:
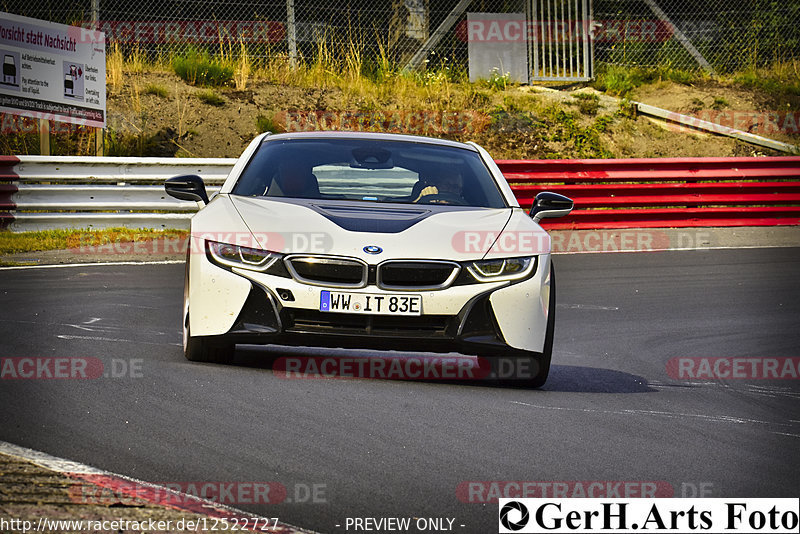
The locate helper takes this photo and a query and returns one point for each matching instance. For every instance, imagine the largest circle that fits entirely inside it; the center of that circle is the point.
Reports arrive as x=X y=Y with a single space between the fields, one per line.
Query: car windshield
x=369 y=171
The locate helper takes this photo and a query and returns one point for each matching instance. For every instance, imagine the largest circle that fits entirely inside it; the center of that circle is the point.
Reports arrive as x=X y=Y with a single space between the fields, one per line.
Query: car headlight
x=501 y=269
x=239 y=256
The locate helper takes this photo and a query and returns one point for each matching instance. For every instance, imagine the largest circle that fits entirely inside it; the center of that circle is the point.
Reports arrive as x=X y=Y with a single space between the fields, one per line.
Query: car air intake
x=417 y=275
x=328 y=271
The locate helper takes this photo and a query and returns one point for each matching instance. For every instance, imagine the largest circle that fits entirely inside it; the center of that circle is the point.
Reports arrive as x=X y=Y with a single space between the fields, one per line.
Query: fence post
x=44 y=137
x=97 y=133
x=291 y=33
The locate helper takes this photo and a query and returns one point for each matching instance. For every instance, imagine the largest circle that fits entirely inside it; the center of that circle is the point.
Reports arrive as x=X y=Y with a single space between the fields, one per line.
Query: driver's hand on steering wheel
x=429 y=190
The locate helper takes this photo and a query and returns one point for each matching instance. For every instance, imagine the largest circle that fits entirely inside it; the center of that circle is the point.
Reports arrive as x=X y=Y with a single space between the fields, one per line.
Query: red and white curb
x=145 y=491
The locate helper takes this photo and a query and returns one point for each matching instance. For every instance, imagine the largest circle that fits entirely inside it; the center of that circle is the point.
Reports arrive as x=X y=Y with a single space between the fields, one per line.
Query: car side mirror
x=187 y=187
x=549 y=204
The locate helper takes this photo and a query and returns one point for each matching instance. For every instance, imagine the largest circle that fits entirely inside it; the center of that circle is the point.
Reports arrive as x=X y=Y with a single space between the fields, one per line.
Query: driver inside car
x=447 y=183
x=295 y=179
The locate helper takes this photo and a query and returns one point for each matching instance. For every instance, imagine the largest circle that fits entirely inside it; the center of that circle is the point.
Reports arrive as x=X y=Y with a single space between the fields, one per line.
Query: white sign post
x=52 y=71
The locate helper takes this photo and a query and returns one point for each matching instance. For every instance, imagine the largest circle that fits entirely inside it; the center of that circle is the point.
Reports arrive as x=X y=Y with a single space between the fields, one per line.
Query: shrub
x=155 y=89
x=267 y=124
x=200 y=69
x=210 y=97
x=588 y=104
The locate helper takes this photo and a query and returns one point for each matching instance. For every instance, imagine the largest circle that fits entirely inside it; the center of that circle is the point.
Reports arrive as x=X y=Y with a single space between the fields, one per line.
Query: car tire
x=210 y=349
x=537 y=363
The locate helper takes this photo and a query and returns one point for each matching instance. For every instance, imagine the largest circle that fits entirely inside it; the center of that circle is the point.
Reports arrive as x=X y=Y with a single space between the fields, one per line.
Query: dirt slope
x=520 y=122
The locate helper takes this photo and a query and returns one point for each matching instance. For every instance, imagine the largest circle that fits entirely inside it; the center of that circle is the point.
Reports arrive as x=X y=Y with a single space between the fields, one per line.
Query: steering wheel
x=443 y=198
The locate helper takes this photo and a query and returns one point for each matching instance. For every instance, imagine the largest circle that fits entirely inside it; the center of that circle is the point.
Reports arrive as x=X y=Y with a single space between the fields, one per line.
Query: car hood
x=400 y=231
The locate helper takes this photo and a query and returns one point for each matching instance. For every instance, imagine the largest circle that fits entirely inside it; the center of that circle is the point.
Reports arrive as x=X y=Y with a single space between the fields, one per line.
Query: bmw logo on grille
x=373 y=249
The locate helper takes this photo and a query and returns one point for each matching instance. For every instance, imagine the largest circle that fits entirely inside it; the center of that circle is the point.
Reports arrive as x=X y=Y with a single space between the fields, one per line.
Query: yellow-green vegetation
x=266 y=124
x=781 y=78
x=620 y=81
x=719 y=103
x=157 y=90
x=13 y=243
x=587 y=103
x=258 y=92
x=199 y=68
x=65 y=138
x=210 y=97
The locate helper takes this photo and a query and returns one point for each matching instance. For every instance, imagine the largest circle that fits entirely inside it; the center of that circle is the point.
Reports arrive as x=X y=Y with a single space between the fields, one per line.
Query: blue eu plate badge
x=325 y=300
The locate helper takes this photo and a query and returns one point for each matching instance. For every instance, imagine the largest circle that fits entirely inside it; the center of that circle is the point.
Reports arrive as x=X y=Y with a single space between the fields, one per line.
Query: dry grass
x=135 y=96
x=115 y=66
x=374 y=86
x=243 y=69
x=137 y=62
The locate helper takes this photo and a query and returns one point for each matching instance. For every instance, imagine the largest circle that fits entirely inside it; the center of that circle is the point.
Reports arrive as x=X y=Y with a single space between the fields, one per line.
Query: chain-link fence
x=723 y=35
x=720 y=35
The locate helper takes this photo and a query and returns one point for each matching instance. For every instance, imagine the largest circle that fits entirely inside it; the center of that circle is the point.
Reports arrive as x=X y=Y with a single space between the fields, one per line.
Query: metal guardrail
x=48 y=192
x=664 y=193
x=51 y=192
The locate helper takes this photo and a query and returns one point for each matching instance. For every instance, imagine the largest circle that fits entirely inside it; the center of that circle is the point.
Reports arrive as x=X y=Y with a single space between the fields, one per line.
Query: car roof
x=368 y=135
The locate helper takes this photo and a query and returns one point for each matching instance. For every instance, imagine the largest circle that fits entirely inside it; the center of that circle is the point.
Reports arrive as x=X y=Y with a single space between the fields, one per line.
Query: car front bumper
x=481 y=318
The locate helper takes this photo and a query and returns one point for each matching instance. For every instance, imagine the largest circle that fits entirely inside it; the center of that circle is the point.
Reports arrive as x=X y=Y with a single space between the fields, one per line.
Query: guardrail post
x=44 y=137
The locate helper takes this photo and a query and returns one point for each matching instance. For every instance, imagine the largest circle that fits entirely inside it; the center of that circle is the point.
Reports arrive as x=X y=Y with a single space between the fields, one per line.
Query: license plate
x=372 y=304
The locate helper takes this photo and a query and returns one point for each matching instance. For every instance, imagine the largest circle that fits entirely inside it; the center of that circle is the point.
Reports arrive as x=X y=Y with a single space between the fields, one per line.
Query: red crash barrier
x=608 y=193
x=668 y=192
x=7 y=173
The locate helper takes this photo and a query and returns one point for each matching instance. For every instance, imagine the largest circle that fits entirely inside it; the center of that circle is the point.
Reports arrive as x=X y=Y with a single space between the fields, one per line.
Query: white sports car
x=343 y=239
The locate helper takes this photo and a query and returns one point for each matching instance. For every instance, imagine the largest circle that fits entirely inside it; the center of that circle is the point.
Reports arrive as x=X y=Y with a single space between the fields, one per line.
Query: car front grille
x=312 y=321
x=328 y=271
x=392 y=275
x=416 y=275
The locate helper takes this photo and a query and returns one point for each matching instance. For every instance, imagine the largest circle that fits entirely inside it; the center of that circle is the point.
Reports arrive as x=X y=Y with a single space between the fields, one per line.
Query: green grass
x=201 y=69
x=583 y=141
x=620 y=81
x=587 y=103
x=14 y=243
x=778 y=80
x=124 y=143
x=719 y=103
x=566 y=133
x=267 y=124
x=496 y=80
x=210 y=97
x=157 y=90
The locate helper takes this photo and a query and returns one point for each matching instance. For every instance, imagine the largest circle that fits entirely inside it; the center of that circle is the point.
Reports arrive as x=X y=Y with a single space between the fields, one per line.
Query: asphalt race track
x=396 y=448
